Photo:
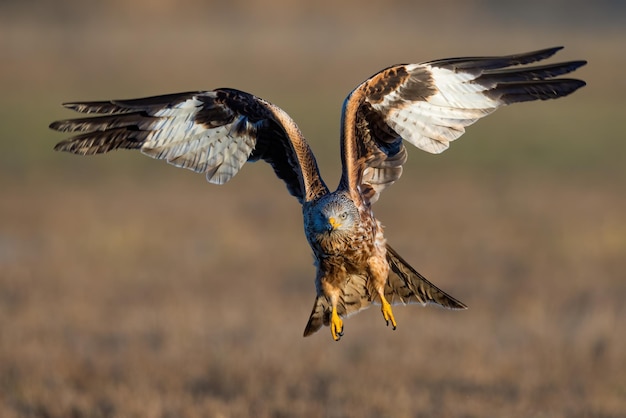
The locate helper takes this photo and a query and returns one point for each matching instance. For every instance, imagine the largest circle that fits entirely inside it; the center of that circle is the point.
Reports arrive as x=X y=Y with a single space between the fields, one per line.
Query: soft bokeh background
x=129 y=288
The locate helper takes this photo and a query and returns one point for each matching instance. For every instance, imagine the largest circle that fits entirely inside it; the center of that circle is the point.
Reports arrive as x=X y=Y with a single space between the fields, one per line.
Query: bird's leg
x=386 y=310
x=332 y=293
x=336 y=324
x=379 y=271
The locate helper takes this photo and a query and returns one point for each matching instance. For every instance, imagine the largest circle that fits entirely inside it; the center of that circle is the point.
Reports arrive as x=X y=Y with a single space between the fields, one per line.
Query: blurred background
x=129 y=288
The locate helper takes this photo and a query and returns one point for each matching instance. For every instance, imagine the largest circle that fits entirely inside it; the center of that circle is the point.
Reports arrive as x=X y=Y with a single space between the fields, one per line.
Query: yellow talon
x=387 y=313
x=336 y=325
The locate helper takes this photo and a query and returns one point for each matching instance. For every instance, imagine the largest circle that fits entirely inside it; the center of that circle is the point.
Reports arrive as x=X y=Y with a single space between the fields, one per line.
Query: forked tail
x=404 y=285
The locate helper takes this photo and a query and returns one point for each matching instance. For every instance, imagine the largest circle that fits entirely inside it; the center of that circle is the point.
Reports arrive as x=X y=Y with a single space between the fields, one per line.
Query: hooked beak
x=333 y=224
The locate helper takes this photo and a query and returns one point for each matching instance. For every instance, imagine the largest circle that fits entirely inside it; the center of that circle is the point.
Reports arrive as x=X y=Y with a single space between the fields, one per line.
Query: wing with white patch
x=430 y=104
x=212 y=132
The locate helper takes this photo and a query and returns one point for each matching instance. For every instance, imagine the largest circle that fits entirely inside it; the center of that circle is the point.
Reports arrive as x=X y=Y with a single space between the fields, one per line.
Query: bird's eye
x=343 y=216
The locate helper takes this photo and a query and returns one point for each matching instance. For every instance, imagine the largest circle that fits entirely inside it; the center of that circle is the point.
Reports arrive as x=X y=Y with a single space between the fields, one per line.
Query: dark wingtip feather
x=57 y=125
x=574 y=65
x=132 y=105
x=533 y=56
x=536 y=90
x=104 y=107
x=515 y=74
x=495 y=62
x=575 y=84
x=102 y=142
x=546 y=52
x=64 y=145
x=130 y=121
x=71 y=125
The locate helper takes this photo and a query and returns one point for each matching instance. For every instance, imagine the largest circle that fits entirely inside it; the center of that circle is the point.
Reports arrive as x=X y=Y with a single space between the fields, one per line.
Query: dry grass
x=171 y=298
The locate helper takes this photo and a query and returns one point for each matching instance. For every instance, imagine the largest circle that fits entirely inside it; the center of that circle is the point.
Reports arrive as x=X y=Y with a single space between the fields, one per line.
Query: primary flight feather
x=429 y=105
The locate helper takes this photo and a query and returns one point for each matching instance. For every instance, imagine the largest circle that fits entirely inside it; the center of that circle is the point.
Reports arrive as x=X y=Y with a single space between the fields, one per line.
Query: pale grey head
x=333 y=215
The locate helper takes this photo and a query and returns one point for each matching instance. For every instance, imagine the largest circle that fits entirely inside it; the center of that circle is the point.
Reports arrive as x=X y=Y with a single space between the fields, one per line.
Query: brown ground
x=176 y=299
x=173 y=298
x=131 y=289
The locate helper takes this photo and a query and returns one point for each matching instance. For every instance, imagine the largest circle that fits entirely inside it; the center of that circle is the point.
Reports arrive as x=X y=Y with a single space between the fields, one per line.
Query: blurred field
x=131 y=289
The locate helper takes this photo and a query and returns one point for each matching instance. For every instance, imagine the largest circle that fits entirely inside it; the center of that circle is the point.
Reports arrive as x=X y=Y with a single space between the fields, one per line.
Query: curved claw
x=336 y=325
x=388 y=314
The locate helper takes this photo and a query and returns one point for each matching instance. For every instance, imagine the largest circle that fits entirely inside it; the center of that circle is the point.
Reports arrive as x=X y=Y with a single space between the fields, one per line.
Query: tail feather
x=320 y=315
x=355 y=296
x=405 y=285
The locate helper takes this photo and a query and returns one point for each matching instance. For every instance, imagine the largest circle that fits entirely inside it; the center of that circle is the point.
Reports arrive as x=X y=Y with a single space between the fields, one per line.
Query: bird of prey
x=428 y=104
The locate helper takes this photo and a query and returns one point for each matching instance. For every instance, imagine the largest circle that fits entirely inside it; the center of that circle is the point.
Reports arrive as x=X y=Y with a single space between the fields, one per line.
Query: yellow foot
x=336 y=325
x=387 y=313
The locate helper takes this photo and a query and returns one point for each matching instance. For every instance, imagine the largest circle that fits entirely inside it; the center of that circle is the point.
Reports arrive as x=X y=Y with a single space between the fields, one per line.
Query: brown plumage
x=429 y=105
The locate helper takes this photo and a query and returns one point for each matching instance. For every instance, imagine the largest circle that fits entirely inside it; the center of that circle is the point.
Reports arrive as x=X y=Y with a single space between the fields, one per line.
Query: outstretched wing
x=213 y=132
x=430 y=104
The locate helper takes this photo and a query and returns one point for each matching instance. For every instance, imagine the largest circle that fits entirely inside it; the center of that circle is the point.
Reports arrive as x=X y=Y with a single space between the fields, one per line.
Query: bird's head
x=335 y=215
